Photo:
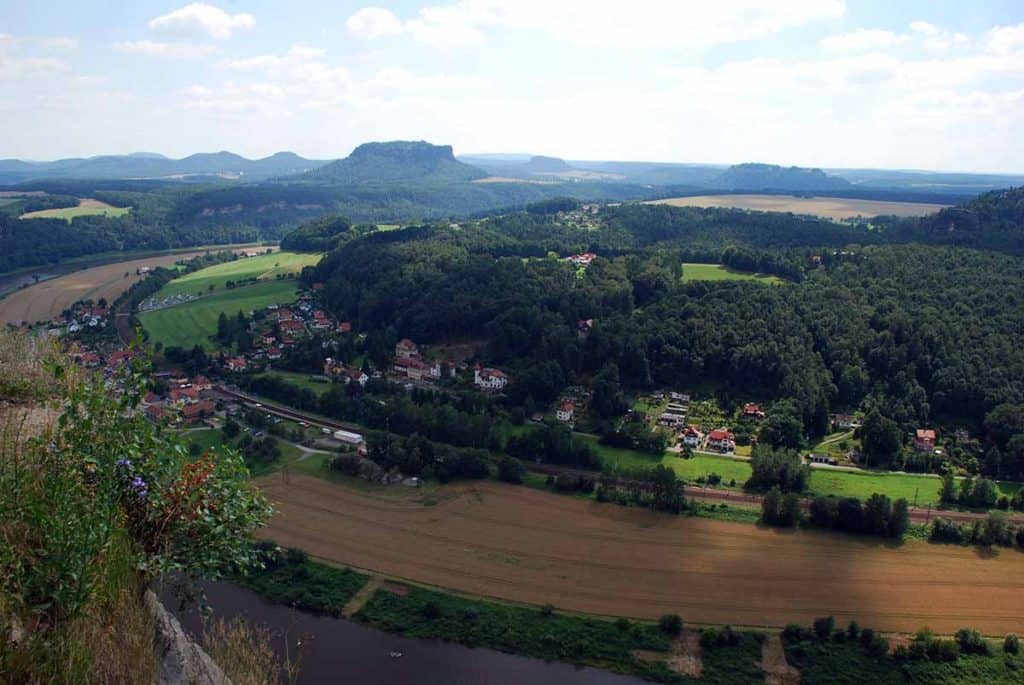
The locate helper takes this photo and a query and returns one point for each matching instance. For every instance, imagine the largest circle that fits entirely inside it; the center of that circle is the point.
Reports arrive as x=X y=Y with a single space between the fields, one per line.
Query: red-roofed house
x=721 y=439
x=752 y=410
x=565 y=411
x=292 y=326
x=581 y=259
x=273 y=353
x=412 y=368
x=119 y=357
x=194 y=413
x=156 y=413
x=357 y=376
x=184 y=395
x=406 y=349
x=489 y=379
x=345 y=327
x=236 y=364
x=201 y=383
x=924 y=440
x=692 y=436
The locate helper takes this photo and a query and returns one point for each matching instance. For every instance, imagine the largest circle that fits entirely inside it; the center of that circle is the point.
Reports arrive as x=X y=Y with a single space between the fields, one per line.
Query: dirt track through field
x=45 y=301
x=524 y=545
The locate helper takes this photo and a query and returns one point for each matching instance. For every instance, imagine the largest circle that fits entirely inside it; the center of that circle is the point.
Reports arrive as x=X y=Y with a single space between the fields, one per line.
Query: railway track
x=917 y=514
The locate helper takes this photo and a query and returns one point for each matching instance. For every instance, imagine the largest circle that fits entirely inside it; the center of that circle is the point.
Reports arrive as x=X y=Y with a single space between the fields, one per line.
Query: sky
x=910 y=84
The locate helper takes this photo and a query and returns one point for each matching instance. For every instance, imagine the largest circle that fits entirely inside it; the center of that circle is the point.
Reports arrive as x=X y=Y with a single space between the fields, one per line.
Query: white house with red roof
x=487 y=378
x=924 y=440
x=692 y=436
x=413 y=369
x=565 y=411
x=236 y=364
x=721 y=439
x=752 y=411
x=406 y=349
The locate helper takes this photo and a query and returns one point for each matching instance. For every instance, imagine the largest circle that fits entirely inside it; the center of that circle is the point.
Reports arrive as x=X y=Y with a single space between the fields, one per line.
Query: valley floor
x=518 y=544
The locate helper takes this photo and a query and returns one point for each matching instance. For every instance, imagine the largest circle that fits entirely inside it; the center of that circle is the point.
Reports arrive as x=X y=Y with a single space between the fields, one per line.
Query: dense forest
x=911 y=334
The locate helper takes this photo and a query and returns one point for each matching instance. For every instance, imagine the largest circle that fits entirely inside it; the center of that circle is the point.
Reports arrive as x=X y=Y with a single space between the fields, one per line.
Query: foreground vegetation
x=94 y=508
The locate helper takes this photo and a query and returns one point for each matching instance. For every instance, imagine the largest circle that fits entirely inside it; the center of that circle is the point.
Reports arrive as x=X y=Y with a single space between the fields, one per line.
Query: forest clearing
x=86 y=207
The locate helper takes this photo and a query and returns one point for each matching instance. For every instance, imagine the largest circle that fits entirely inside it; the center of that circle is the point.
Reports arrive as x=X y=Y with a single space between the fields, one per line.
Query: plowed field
x=527 y=546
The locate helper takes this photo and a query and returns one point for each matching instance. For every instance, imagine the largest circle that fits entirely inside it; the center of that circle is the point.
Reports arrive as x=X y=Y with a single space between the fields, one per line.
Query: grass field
x=263 y=267
x=44 y=301
x=923 y=489
x=86 y=207
x=518 y=544
x=302 y=380
x=194 y=322
x=828 y=207
x=717 y=272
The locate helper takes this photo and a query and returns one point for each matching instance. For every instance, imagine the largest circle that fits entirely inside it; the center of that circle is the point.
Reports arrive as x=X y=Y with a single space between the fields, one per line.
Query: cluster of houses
x=410 y=364
x=581 y=260
x=281 y=329
x=188 y=401
x=336 y=369
x=85 y=315
x=91 y=359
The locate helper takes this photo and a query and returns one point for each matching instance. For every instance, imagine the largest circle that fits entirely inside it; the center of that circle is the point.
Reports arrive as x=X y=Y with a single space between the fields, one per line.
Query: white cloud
x=199 y=20
x=1003 y=40
x=924 y=28
x=151 y=48
x=862 y=40
x=60 y=43
x=15 y=67
x=582 y=22
x=373 y=22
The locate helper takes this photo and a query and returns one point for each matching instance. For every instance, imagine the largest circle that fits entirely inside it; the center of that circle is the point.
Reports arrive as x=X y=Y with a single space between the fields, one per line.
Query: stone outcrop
x=179 y=660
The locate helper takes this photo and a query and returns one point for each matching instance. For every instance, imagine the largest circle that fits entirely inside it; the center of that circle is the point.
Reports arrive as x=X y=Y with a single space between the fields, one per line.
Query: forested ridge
x=919 y=334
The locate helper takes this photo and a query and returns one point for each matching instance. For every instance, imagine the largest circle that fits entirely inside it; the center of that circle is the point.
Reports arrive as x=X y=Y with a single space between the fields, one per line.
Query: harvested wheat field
x=523 y=545
x=829 y=207
x=46 y=300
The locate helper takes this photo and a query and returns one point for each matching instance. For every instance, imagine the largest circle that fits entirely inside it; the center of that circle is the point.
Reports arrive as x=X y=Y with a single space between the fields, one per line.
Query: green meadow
x=717 y=272
x=922 y=488
x=265 y=267
x=69 y=213
x=193 y=323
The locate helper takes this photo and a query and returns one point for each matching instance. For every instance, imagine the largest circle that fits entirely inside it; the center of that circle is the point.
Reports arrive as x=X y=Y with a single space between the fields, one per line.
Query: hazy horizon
x=814 y=83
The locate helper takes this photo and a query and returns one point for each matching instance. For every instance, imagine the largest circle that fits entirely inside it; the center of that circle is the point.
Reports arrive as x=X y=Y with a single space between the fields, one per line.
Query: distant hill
x=539 y=164
x=773 y=177
x=410 y=162
x=150 y=165
x=994 y=220
x=316 y=236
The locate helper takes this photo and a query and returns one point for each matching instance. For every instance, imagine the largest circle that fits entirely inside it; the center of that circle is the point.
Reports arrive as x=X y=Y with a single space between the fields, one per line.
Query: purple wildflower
x=124 y=463
x=139 y=486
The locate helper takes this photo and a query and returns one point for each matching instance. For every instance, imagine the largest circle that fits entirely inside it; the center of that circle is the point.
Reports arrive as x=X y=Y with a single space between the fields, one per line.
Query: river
x=342 y=651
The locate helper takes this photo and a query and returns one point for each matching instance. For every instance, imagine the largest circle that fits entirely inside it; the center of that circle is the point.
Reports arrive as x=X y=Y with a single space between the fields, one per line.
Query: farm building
x=348 y=437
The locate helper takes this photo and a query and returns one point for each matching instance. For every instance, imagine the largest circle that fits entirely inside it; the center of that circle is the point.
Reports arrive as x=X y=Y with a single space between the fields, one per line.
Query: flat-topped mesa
x=752 y=176
x=400 y=160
